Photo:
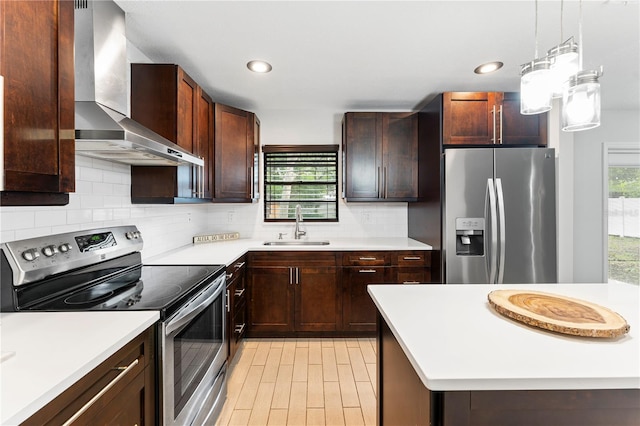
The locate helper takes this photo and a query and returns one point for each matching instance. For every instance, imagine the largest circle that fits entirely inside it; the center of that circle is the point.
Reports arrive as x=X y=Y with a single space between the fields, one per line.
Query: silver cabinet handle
x=500 y=137
x=239 y=293
x=493 y=115
x=384 y=180
x=412 y=258
x=297 y=275
x=368 y=258
x=239 y=328
x=85 y=407
x=238 y=265
x=290 y=275
x=367 y=271
x=229 y=276
x=410 y=282
x=379 y=182
x=228 y=304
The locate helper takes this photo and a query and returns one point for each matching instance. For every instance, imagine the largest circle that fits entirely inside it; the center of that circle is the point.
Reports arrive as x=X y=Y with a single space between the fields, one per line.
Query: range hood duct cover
x=103 y=129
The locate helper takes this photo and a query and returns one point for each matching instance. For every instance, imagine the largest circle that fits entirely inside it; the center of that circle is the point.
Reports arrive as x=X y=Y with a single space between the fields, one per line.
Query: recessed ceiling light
x=488 y=67
x=259 y=66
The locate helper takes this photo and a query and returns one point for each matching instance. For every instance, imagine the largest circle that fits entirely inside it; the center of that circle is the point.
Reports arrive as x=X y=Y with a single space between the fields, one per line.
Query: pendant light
x=535 y=80
x=581 y=95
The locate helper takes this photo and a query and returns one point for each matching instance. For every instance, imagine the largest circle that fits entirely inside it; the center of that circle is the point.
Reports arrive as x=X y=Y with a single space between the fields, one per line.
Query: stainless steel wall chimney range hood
x=102 y=128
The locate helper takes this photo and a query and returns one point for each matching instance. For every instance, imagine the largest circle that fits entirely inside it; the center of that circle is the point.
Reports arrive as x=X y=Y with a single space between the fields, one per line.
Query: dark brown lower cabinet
x=404 y=400
x=292 y=293
x=236 y=305
x=128 y=376
x=359 y=309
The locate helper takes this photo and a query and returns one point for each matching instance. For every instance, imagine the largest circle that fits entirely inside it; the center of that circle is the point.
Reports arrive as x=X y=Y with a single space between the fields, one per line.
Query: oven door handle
x=196 y=306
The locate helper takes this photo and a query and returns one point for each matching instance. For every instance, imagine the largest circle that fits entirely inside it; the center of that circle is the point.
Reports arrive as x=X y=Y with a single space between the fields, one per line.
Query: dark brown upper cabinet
x=236 y=141
x=166 y=100
x=36 y=61
x=380 y=160
x=490 y=118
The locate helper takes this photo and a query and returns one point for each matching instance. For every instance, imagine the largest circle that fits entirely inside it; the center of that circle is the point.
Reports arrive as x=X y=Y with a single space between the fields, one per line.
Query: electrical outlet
x=367 y=217
x=230 y=216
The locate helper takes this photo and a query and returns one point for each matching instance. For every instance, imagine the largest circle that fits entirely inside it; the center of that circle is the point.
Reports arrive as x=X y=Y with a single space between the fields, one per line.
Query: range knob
x=129 y=235
x=50 y=251
x=30 y=255
x=65 y=247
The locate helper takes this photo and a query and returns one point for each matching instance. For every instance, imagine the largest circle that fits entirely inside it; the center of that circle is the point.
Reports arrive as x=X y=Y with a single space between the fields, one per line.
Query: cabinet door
x=204 y=143
x=317 y=299
x=271 y=300
x=519 y=129
x=469 y=118
x=36 y=60
x=358 y=308
x=187 y=104
x=362 y=155
x=233 y=154
x=400 y=159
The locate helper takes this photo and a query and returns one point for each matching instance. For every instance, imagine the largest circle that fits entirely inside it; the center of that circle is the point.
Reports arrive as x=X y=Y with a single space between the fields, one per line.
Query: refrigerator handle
x=501 y=231
x=491 y=254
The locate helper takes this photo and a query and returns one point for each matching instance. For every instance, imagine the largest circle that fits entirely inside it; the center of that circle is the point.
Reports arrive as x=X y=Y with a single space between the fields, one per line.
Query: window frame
x=267 y=149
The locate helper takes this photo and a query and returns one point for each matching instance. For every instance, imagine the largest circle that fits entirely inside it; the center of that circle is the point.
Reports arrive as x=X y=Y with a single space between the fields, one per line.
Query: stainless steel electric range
x=101 y=269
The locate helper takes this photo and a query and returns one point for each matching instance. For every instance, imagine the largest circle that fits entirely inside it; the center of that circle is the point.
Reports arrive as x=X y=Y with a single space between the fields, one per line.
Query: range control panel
x=37 y=258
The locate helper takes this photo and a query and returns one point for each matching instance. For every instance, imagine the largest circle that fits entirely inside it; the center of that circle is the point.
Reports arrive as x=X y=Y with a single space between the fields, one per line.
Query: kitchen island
x=446 y=357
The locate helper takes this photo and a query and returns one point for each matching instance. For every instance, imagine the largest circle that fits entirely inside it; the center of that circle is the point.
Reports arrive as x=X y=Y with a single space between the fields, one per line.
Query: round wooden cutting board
x=558 y=313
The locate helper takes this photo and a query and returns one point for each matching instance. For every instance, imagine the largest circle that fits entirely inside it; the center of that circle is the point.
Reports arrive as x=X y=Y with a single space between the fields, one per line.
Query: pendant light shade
x=581 y=101
x=535 y=87
x=565 y=62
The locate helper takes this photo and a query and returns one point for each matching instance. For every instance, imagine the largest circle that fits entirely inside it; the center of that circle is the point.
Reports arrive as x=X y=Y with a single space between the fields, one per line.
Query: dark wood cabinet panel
x=131 y=399
x=317 y=299
x=234 y=154
x=293 y=292
x=489 y=118
x=362 y=149
x=359 y=310
x=380 y=156
x=37 y=63
x=518 y=129
x=400 y=148
x=271 y=300
x=236 y=305
x=166 y=100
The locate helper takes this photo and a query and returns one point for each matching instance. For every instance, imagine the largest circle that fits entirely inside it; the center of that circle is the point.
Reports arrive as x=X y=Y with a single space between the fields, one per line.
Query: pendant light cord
x=580 y=51
x=536 y=31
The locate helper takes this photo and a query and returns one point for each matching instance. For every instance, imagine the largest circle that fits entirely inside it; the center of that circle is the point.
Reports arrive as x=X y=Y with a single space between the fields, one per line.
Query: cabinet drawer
x=412 y=275
x=412 y=258
x=365 y=259
x=291 y=259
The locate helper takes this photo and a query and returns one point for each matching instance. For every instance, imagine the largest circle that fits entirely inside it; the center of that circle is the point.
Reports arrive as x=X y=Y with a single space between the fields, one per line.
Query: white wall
x=589 y=245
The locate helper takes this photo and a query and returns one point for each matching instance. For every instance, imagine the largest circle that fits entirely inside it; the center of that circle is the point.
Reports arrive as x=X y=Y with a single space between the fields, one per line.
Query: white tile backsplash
x=102 y=198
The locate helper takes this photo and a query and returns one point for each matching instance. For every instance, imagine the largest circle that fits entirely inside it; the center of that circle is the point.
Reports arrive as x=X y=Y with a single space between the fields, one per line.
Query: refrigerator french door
x=499 y=216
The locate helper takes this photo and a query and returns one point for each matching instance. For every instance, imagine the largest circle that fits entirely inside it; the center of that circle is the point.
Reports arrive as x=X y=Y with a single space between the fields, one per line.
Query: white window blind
x=305 y=175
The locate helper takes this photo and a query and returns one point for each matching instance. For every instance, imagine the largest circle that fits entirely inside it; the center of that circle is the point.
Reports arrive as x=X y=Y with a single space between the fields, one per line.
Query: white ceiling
x=377 y=55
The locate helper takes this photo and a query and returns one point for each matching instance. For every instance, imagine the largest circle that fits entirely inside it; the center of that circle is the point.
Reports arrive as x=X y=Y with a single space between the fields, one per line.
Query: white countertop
x=225 y=252
x=456 y=341
x=44 y=353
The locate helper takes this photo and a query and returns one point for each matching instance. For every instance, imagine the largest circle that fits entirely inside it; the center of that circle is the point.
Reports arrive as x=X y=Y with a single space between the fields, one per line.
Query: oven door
x=193 y=354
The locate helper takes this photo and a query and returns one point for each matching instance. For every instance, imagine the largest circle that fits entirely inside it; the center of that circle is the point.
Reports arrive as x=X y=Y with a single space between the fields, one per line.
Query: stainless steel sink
x=296 y=243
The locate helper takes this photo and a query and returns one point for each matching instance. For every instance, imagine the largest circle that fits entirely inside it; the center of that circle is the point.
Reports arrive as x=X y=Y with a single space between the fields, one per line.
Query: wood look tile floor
x=302 y=382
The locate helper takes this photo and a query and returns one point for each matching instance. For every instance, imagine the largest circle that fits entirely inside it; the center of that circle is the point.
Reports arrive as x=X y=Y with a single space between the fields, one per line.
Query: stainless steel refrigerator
x=499 y=216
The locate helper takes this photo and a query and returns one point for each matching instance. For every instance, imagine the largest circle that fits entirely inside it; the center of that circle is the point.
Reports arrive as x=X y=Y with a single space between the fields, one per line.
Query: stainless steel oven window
x=194 y=352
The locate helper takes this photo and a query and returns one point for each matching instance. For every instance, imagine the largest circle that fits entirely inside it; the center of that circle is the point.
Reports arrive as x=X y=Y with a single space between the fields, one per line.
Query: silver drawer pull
x=85 y=407
x=239 y=328
x=368 y=258
x=228 y=302
x=411 y=282
x=229 y=276
x=412 y=258
x=239 y=293
x=367 y=271
x=238 y=265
